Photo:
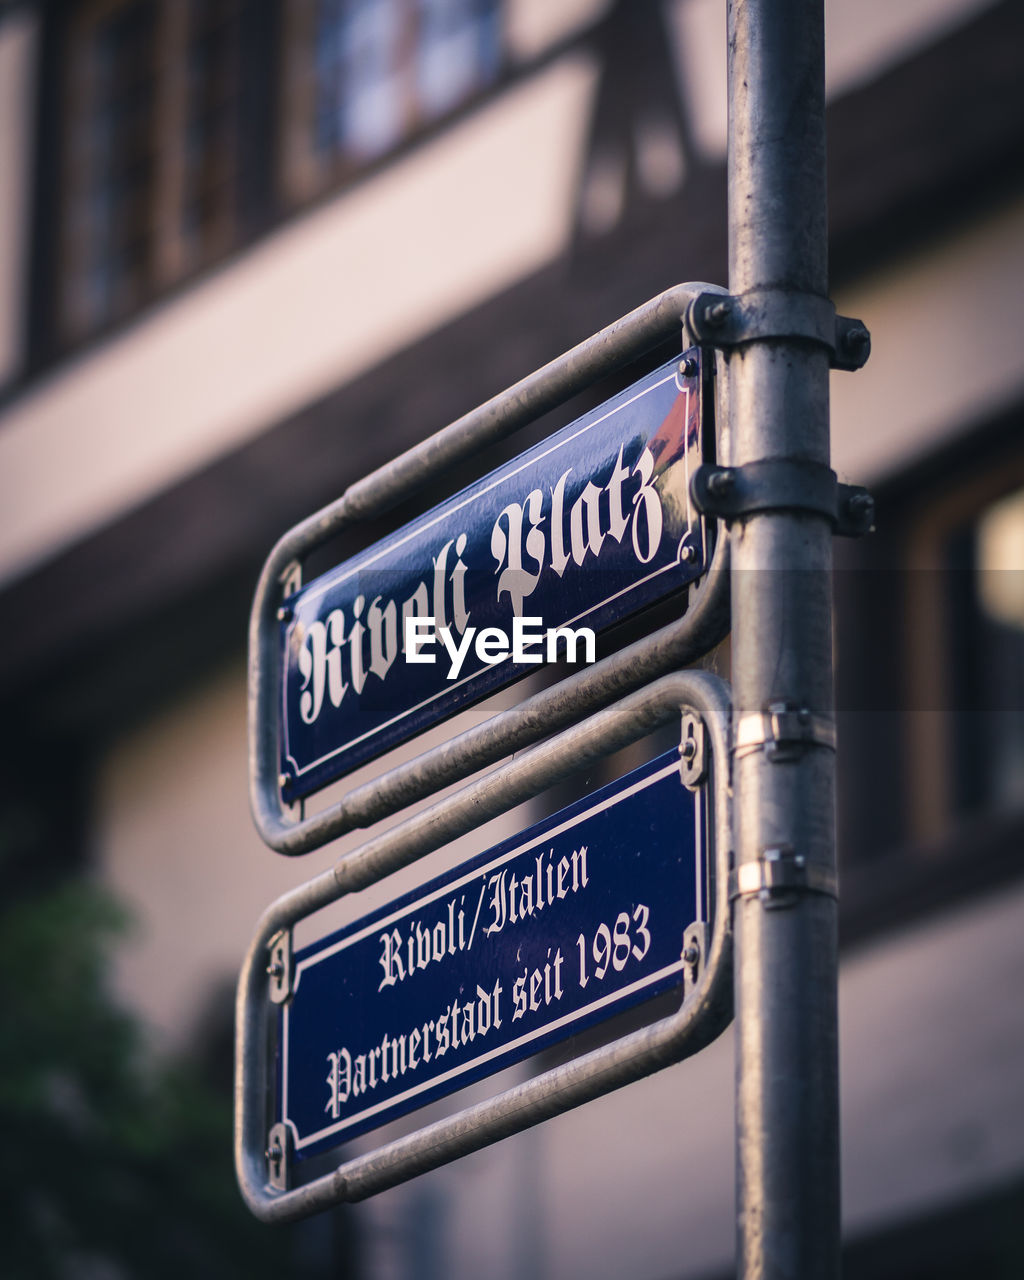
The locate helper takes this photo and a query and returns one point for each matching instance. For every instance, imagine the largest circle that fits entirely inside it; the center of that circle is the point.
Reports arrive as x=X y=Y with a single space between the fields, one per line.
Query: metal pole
x=784 y=910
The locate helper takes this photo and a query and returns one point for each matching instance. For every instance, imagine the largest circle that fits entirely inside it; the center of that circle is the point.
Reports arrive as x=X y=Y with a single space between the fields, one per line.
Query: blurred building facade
x=249 y=251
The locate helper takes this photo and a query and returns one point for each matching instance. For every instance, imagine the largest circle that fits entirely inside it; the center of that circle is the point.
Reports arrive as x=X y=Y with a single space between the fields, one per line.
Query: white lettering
x=312 y=668
x=549 y=529
x=572 y=639
x=523 y=639
x=391 y=959
x=419 y=634
x=646 y=497
x=587 y=505
x=383 y=624
x=336 y=686
x=617 y=522
x=516 y=581
x=460 y=614
x=559 y=556
x=492 y=645
x=518 y=539
x=355 y=646
x=339 y=1081
x=456 y=651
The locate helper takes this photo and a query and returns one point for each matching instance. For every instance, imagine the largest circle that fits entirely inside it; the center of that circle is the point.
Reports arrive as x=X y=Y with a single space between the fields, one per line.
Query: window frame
x=303 y=174
x=165 y=258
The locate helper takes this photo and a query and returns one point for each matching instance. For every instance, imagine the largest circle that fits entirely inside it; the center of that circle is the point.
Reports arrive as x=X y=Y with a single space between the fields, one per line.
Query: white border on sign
x=300 y=771
x=445 y=889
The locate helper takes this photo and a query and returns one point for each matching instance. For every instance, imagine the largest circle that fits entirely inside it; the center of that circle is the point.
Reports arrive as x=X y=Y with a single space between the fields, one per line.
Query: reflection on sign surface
x=582 y=530
x=550 y=931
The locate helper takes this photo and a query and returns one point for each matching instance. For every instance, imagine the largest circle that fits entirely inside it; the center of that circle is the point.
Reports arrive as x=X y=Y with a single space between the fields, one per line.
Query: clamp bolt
x=717 y=315
x=721 y=483
x=687 y=367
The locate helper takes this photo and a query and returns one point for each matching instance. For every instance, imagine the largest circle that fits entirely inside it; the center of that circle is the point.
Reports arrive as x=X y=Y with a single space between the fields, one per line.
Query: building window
x=961 y=600
x=986 y=566
x=930 y=657
x=203 y=198
x=365 y=75
x=457 y=53
x=187 y=126
x=150 y=146
x=110 y=163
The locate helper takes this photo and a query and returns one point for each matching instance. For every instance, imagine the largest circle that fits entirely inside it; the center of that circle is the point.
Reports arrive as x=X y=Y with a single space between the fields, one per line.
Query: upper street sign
x=580 y=531
x=554 y=929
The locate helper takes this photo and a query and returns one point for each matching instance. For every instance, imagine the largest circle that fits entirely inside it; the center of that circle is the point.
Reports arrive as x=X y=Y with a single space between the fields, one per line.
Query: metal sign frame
x=284 y=827
x=262 y=1158
x=533 y=938
x=585 y=528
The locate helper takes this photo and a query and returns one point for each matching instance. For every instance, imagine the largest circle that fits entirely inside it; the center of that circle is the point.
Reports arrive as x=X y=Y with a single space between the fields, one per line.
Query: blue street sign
x=578 y=532
x=548 y=932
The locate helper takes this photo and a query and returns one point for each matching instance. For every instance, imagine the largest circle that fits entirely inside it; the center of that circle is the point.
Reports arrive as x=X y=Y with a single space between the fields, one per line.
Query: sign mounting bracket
x=279 y=966
x=716 y=321
x=778 y=876
x=783 y=484
x=785 y=731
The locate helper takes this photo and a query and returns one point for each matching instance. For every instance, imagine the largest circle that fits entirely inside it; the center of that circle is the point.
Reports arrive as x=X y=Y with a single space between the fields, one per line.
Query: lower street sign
x=563 y=925
x=609 y=902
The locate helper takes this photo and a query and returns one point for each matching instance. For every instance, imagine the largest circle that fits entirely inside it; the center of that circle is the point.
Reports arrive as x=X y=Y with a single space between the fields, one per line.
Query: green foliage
x=114 y=1166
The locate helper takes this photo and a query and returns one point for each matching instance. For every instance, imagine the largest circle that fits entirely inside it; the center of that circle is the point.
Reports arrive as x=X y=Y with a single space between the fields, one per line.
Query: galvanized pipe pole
x=784 y=908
